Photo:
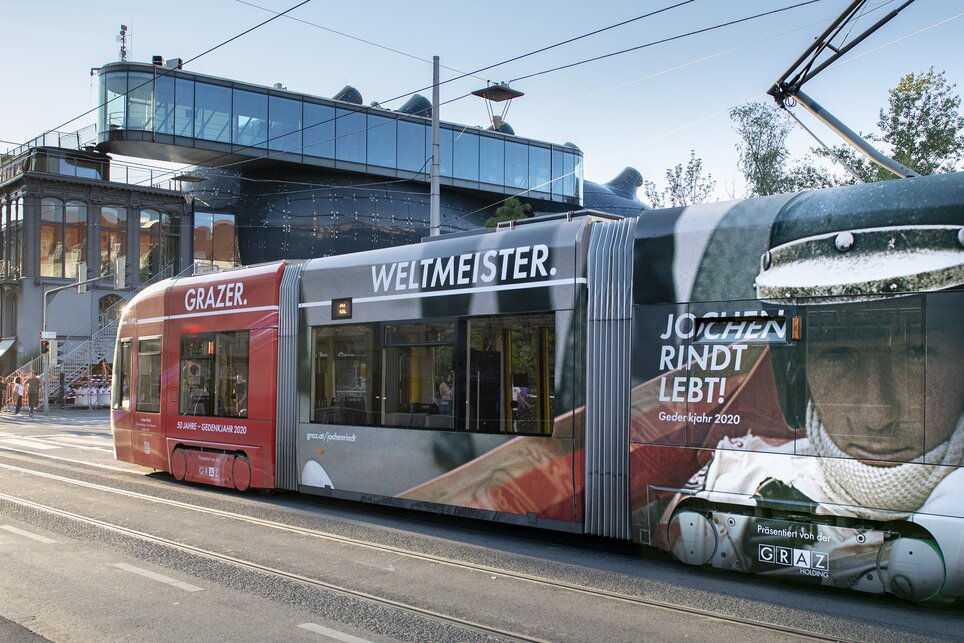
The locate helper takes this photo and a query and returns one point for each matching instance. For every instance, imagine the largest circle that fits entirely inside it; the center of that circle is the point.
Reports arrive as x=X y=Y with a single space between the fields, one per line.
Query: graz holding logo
x=809 y=562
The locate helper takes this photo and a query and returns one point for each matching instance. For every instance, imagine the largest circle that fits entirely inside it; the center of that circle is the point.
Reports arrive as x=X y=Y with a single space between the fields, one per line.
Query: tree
x=683 y=186
x=923 y=124
x=762 y=148
x=920 y=128
x=510 y=210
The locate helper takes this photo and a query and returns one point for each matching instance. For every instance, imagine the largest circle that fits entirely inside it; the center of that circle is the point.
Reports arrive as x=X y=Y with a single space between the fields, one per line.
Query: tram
x=771 y=385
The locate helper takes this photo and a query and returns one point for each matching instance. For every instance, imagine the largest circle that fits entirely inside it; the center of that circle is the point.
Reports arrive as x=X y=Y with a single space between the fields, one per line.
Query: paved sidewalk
x=60 y=416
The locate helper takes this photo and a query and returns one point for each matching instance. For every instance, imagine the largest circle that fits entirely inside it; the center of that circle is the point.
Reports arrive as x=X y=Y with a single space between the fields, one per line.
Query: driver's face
x=870 y=391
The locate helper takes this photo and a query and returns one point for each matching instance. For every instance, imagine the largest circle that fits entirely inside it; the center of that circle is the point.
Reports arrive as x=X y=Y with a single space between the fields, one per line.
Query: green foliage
x=763 y=154
x=683 y=186
x=921 y=127
x=510 y=210
x=922 y=123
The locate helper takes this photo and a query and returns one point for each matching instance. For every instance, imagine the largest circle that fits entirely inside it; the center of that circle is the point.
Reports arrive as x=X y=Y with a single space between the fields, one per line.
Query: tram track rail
x=596 y=593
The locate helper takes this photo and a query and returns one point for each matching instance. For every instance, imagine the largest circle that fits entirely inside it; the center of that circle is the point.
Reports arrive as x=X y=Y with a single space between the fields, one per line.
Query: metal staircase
x=80 y=363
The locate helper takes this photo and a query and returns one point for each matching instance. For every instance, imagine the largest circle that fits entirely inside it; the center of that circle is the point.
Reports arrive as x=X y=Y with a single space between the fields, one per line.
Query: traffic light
x=44 y=346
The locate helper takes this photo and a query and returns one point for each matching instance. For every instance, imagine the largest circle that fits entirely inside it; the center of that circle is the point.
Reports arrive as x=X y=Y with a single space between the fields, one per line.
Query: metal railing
x=84 y=137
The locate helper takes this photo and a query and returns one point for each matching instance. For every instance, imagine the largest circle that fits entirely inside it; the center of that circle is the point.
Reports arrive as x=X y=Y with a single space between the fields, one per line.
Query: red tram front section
x=183 y=400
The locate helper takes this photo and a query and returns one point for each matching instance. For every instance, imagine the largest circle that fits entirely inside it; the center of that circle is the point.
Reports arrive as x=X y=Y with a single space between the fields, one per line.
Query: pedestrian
x=17 y=395
x=33 y=392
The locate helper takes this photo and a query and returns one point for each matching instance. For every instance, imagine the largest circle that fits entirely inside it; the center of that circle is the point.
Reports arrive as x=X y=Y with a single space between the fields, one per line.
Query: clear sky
x=646 y=109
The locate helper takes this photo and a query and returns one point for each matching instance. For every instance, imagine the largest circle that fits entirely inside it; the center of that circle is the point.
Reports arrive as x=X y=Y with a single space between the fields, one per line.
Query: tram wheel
x=178 y=464
x=241 y=472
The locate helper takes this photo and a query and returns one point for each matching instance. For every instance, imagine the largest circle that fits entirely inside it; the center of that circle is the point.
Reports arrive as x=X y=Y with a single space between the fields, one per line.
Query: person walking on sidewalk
x=33 y=392
x=18 y=395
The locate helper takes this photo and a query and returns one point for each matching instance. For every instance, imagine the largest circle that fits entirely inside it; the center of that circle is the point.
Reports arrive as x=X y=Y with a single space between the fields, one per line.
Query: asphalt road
x=84 y=556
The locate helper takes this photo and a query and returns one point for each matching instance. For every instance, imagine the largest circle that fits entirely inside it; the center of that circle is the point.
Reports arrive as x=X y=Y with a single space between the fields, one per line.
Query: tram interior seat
x=343 y=411
x=417 y=415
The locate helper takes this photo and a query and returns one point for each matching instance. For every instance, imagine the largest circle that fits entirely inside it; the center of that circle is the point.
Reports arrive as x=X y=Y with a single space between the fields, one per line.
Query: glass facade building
x=201 y=118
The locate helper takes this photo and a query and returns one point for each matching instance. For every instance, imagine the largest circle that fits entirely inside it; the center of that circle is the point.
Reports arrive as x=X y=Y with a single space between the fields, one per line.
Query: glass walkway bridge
x=165 y=113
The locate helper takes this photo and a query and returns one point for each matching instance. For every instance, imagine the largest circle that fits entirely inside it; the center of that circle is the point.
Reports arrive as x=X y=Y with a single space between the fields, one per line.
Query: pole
x=852 y=137
x=435 y=207
x=45 y=359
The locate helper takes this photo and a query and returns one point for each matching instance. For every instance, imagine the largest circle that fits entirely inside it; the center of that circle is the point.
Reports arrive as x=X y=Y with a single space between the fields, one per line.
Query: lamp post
x=44 y=335
x=435 y=194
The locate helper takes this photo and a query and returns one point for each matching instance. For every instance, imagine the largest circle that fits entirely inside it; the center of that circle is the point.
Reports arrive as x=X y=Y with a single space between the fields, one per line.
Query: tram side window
x=342 y=371
x=214 y=374
x=121 y=384
x=510 y=374
x=419 y=375
x=149 y=375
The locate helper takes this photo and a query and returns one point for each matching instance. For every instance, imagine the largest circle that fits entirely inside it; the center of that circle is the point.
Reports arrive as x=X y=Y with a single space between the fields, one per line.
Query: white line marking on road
x=133 y=468
x=158 y=577
x=27 y=534
x=333 y=634
x=30 y=444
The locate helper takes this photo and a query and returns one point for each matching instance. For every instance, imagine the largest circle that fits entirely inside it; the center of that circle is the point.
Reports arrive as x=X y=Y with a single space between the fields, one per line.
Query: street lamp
x=497 y=93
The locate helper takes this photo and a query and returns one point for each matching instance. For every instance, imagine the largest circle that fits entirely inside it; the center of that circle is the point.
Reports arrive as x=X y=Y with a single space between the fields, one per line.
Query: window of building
x=492 y=160
x=121 y=376
x=63 y=238
x=159 y=237
x=51 y=238
x=381 y=141
x=212 y=113
x=214 y=374
x=140 y=101
x=445 y=143
x=350 y=136
x=215 y=239
x=539 y=168
x=557 y=172
x=517 y=165
x=319 y=134
x=467 y=156
x=149 y=375
x=569 y=174
x=284 y=124
x=250 y=115
x=183 y=107
x=113 y=238
x=16 y=245
x=4 y=252
x=150 y=253
x=164 y=105
x=75 y=238
x=411 y=148
x=113 y=89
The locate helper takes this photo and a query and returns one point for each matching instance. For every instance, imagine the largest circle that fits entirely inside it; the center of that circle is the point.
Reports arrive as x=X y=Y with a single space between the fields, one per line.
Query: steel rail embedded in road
x=441 y=560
